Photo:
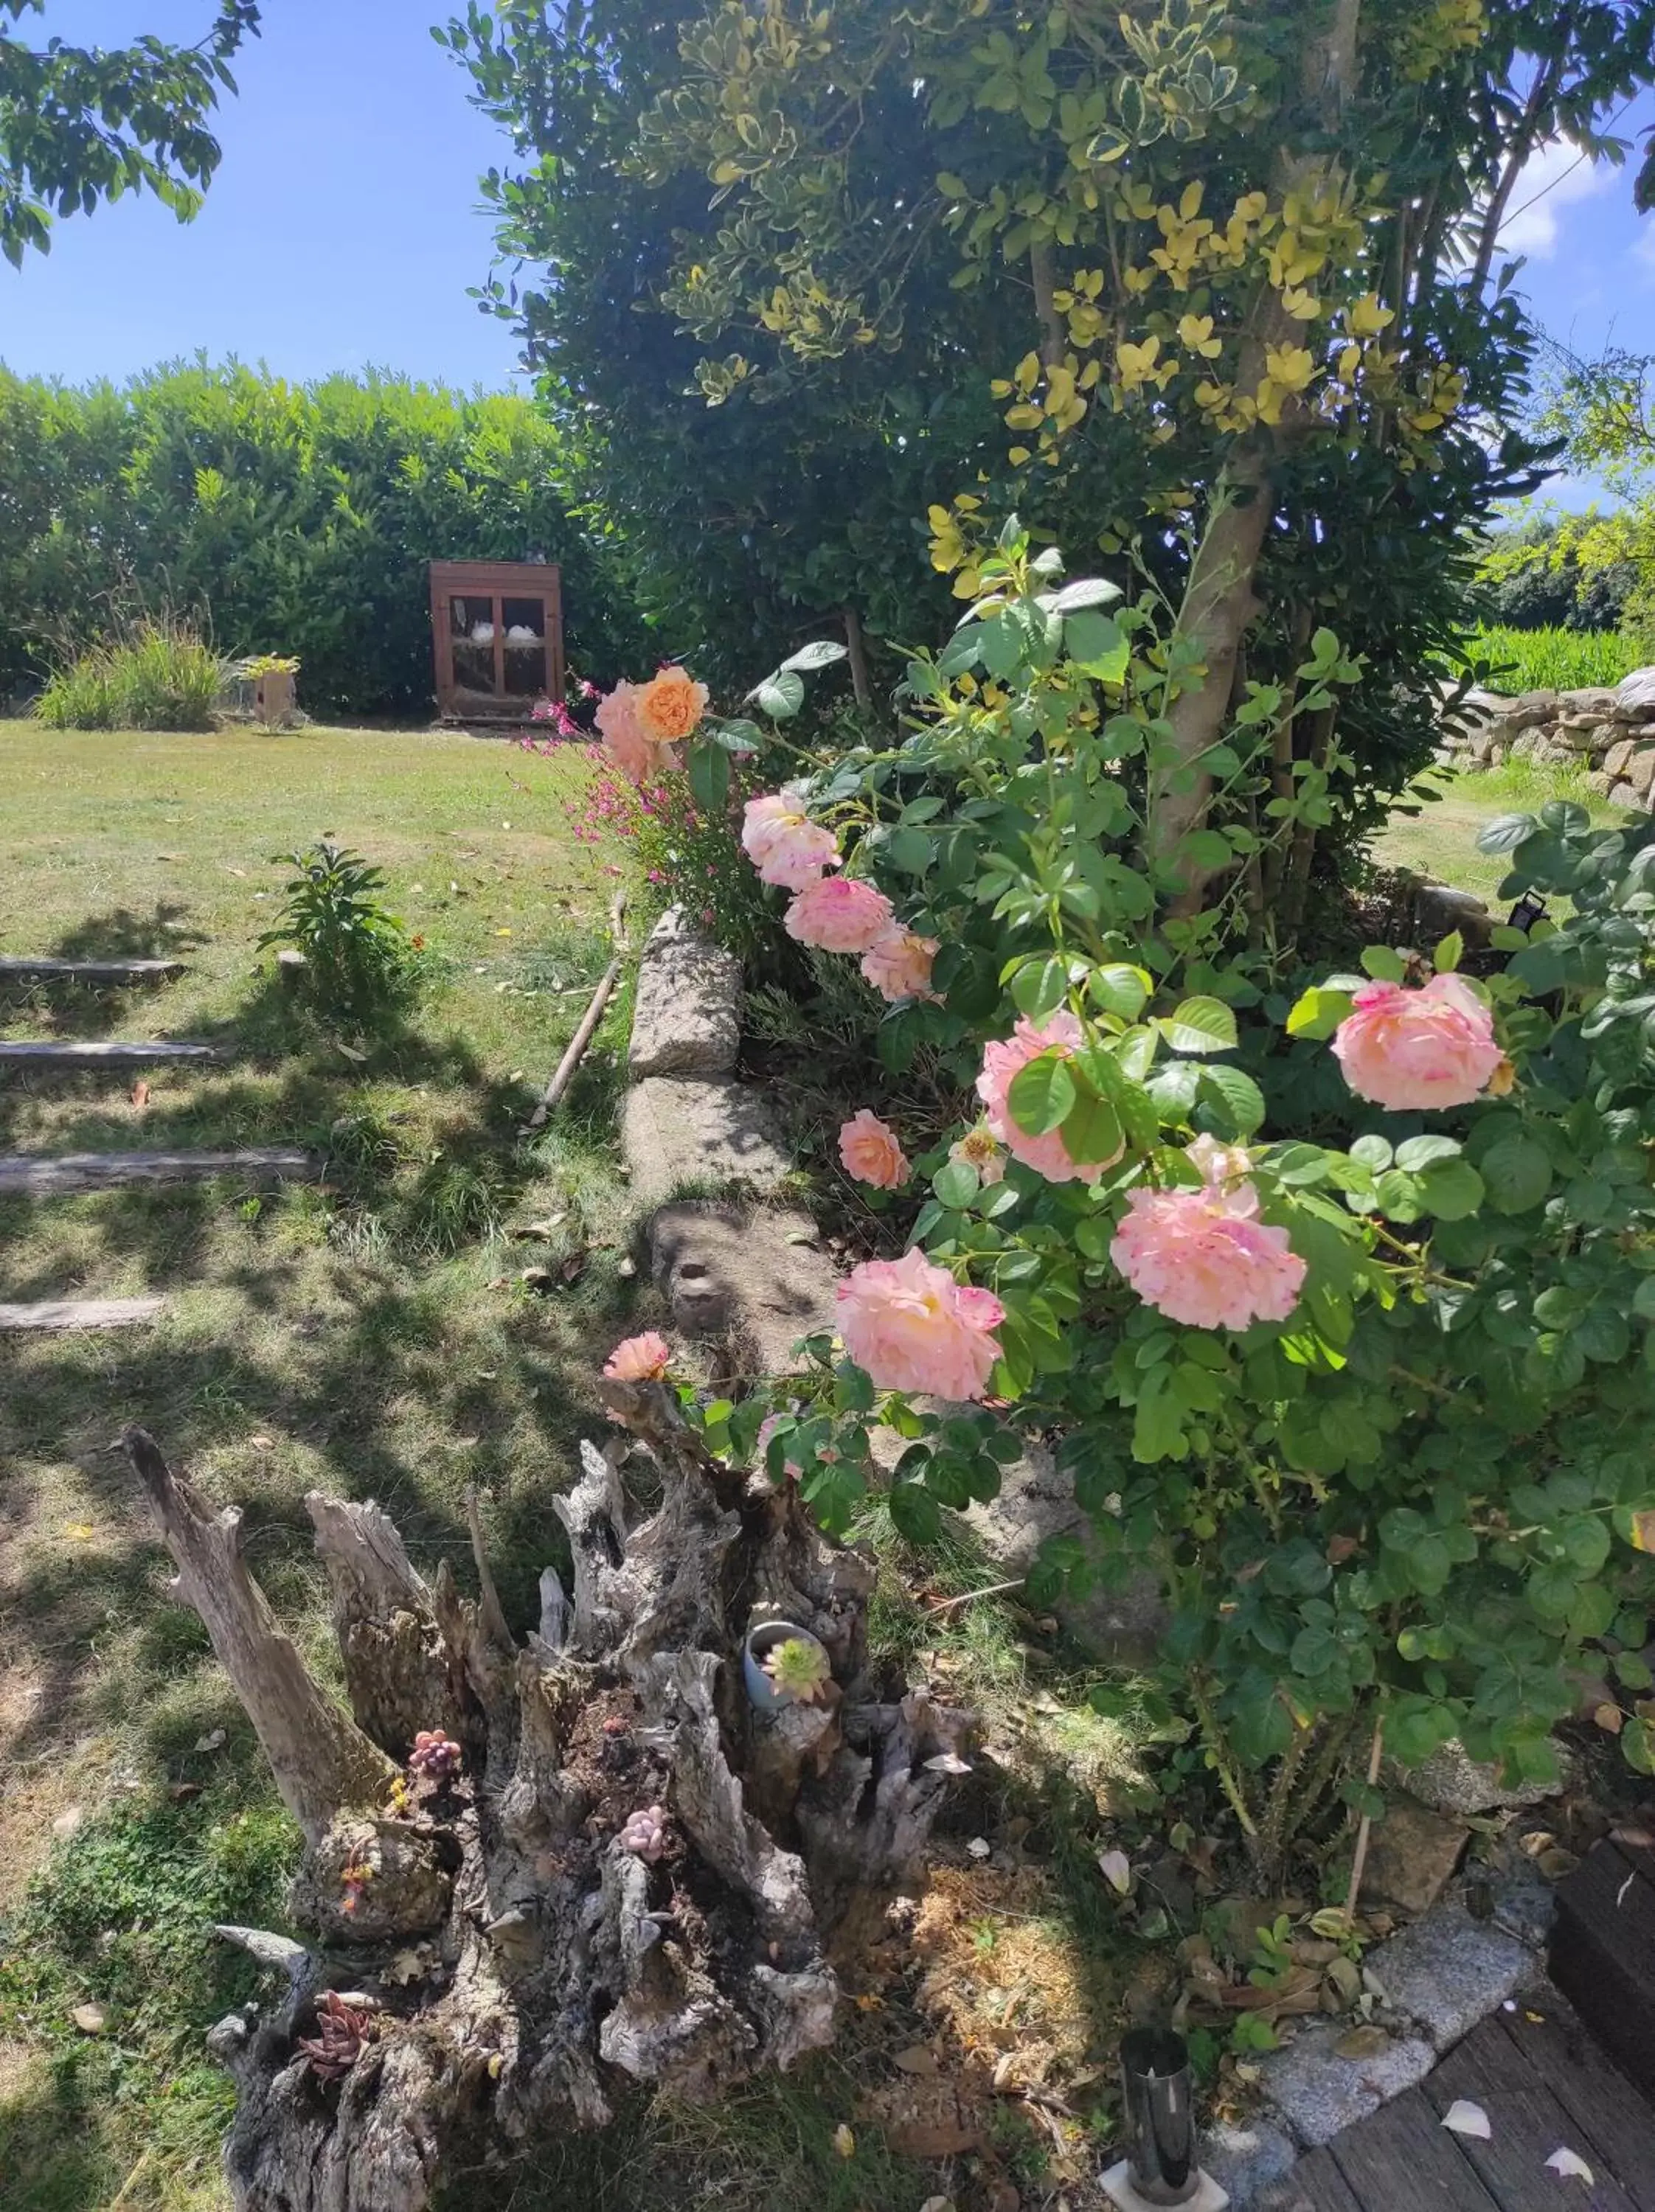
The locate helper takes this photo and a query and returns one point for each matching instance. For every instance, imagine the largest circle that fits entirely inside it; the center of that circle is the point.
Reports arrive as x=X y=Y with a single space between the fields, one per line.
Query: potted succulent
x=784 y=1665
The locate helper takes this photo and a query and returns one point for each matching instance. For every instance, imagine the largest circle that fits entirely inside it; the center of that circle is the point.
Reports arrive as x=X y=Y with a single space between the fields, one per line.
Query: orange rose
x=669 y=706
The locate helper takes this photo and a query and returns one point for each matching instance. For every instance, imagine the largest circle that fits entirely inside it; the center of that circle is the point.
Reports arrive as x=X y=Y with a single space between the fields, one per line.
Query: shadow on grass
x=69 y=1008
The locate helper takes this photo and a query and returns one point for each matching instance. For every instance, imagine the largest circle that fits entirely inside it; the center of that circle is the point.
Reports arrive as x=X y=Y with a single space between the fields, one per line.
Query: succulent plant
x=799 y=1668
x=645 y=1833
x=342 y=2030
x=436 y=1756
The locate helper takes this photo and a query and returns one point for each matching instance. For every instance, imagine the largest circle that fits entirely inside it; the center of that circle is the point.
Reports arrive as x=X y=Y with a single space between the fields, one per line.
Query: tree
x=1234 y=272
x=79 y=124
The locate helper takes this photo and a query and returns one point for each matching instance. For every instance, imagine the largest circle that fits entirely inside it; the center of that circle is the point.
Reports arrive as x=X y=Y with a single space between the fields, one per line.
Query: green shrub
x=160 y=674
x=1552 y=659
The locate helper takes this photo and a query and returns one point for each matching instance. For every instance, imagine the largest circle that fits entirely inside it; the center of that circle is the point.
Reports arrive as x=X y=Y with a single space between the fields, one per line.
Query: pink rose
x=624 y=734
x=1431 y=1047
x=840 y=914
x=912 y=1326
x=869 y=1150
x=1001 y=1063
x=1202 y=1257
x=900 y=965
x=783 y=843
x=639 y=1358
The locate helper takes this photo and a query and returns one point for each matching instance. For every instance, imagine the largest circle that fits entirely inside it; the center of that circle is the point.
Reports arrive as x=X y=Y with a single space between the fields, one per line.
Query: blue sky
x=342 y=229
x=345 y=225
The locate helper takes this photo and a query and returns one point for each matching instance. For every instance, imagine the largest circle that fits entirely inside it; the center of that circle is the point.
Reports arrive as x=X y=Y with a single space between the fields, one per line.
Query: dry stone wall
x=1612 y=731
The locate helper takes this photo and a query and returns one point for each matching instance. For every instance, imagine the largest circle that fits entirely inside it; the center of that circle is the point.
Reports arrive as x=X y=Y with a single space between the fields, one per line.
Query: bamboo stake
x=589 y=1021
x=1364 y=1830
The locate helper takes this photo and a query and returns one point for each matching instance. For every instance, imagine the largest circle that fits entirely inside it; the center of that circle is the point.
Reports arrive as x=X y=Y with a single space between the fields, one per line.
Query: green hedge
x=295 y=520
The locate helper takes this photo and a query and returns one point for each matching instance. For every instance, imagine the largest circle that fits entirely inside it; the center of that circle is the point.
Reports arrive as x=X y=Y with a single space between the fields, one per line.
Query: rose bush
x=1339 y=1308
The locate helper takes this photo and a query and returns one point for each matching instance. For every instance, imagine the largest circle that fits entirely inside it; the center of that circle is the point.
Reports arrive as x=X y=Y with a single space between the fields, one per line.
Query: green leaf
x=822 y=653
x=1207 y=850
x=709 y=777
x=955 y=1185
x=1039 y=987
x=1518 y=1171
x=780 y=695
x=1084 y=592
x=1313 y=1651
x=1091 y=1131
x=1238 y=1097
x=1042 y=1095
x=1097 y=645
x=1385 y=965
x=1199 y=1025
x=1416 y=1152
x=1318 y=1011
x=1119 y=989
x=915 y=1513
x=1451 y=1190
x=1506 y=832
x=1450 y=952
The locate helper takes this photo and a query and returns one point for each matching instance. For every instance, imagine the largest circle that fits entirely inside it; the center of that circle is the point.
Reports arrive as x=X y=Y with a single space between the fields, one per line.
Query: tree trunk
x=487 y=1958
x=1219 y=602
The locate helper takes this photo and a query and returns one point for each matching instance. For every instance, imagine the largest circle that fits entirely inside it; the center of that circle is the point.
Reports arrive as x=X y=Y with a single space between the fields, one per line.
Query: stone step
x=89 y=971
x=104 y=1055
x=75 y=1172
x=82 y=1313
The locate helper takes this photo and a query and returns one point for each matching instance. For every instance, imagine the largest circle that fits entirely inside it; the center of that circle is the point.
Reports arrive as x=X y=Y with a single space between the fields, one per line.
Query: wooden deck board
x=1545 y=2084
x=81 y=1313
x=108 y=1053
x=1614 y=2128
x=1315 y=2185
x=1603 y=1954
x=88 y=971
x=1526 y=2125
x=76 y=1172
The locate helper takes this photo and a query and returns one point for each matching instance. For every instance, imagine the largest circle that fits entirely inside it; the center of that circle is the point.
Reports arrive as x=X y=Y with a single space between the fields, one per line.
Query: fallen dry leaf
x=1570 y=2162
x=92 y=2019
x=1116 y=1870
x=845 y=2142
x=140 y=1093
x=980 y=1847
x=350 y=1052
x=261 y=1443
x=1462 y=2118
x=938 y=2205
x=1609 y=1718
x=918 y=2058
x=215 y=1742
x=408 y=1966
x=1641 y=1840
x=1366 y=2042
x=68 y=1823
x=79 y=1532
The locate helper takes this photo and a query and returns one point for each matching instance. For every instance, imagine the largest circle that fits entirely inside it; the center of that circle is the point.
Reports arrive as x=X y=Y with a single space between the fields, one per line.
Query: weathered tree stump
x=486 y=1955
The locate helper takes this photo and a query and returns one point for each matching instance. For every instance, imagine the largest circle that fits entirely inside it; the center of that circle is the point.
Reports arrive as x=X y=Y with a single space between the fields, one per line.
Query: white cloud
x=1556 y=177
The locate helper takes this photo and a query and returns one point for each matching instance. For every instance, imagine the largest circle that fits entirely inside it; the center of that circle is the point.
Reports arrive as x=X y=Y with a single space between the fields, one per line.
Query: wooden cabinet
x=496 y=638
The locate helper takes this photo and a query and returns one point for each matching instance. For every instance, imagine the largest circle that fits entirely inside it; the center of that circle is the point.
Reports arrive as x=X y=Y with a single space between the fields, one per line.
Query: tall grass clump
x=159 y=674
x=1552 y=659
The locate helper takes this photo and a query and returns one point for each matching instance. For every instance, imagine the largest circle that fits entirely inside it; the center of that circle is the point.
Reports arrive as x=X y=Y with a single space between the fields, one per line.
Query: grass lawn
x=1441 y=839
x=372 y=1338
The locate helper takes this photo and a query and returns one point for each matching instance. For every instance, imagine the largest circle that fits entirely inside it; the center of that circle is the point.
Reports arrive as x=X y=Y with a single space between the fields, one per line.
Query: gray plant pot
x=762 y=1639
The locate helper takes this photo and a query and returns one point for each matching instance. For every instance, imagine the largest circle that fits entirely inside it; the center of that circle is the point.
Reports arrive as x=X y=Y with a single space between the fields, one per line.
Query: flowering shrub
x=1367 y=1390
